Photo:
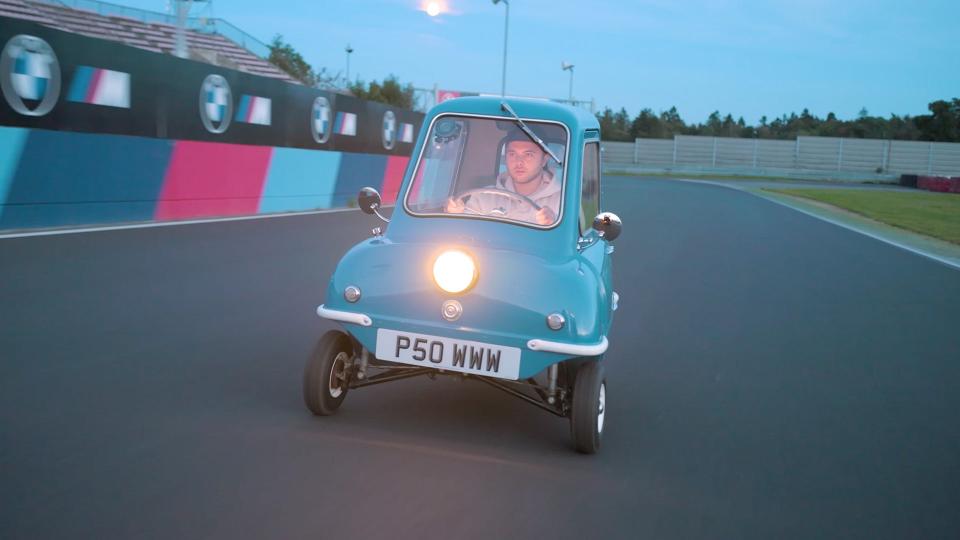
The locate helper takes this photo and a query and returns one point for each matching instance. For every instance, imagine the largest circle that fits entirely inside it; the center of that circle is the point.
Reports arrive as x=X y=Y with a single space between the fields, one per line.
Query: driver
x=527 y=175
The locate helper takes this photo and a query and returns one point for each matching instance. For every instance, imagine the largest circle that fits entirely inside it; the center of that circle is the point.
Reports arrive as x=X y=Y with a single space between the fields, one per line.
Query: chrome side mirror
x=608 y=225
x=369 y=202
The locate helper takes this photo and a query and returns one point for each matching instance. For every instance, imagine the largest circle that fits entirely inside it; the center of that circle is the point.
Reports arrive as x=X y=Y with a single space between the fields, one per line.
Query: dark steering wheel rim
x=501 y=193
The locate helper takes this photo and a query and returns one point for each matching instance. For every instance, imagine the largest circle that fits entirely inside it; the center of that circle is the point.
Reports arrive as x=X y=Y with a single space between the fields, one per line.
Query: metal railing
x=198 y=24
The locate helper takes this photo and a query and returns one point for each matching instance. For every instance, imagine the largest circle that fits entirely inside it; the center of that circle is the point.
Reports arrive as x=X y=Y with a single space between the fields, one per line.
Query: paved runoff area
x=770 y=375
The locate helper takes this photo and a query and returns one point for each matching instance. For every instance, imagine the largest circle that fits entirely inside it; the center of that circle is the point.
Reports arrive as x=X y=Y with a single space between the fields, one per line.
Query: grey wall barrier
x=814 y=154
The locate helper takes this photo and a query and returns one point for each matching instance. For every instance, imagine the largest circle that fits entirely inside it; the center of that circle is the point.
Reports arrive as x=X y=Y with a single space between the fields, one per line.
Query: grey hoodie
x=547 y=195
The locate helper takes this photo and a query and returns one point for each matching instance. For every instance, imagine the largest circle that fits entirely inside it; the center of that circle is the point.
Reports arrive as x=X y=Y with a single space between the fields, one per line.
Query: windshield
x=490 y=169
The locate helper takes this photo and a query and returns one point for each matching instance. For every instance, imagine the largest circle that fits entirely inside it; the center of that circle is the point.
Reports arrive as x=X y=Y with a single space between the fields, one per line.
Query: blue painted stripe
x=300 y=180
x=67 y=178
x=12 y=141
x=357 y=171
x=80 y=84
x=338 y=123
x=242 y=109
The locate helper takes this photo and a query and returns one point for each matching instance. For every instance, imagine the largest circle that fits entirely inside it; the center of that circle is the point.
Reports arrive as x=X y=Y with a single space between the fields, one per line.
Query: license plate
x=450 y=354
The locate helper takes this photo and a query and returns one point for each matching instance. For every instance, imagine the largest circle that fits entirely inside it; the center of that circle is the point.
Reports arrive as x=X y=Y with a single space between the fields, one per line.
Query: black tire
x=587 y=414
x=324 y=389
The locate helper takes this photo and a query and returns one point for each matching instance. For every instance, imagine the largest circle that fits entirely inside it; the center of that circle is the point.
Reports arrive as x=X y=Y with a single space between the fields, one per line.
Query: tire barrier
x=940 y=184
x=908 y=180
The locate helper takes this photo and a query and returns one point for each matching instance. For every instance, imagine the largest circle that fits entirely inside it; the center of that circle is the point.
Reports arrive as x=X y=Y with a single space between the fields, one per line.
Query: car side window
x=590 y=190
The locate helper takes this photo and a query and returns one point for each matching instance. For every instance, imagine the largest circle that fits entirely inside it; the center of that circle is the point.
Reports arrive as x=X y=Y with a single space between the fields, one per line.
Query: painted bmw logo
x=216 y=104
x=29 y=75
x=320 y=124
x=389 y=130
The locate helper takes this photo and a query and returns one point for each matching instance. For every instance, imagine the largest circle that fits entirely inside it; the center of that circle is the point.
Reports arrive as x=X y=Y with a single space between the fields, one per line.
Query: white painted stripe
x=951 y=263
x=349 y=126
x=406 y=133
x=169 y=223
x=260 y=113
x=113 y=89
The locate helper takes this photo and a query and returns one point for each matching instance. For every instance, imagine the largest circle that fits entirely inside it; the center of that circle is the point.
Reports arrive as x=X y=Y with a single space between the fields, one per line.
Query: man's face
x=525 y=160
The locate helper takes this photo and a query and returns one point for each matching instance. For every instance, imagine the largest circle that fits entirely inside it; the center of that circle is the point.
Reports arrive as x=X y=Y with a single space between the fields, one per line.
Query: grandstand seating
x=158 y=37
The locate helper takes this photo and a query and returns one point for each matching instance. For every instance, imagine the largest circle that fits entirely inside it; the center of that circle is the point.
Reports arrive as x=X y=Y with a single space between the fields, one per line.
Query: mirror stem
x=379 y=215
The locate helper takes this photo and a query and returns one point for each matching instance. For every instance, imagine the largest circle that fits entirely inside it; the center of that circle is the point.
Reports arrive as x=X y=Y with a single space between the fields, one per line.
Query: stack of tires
x=940 y=184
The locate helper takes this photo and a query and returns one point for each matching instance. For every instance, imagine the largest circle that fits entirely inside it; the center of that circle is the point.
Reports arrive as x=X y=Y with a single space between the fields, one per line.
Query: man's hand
x=455 y=206
x=545 y=216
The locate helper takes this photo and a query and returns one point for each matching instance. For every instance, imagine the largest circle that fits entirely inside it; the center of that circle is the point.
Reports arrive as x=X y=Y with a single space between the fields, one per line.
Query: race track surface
x=770 y=376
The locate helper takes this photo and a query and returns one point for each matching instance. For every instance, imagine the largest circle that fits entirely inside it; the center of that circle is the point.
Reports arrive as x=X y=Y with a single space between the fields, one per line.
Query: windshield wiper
x=530 y=133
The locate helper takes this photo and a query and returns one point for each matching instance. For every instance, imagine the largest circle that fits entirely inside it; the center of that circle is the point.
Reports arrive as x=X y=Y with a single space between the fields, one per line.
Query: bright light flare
x=454 y=271
x=434 y=7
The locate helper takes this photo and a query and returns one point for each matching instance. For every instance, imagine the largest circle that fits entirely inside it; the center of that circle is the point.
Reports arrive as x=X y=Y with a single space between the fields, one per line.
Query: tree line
x=942 y=124
x=390 y=91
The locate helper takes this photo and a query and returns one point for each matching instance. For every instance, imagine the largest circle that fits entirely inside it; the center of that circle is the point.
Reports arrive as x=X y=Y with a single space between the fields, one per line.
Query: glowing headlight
x=454 y=271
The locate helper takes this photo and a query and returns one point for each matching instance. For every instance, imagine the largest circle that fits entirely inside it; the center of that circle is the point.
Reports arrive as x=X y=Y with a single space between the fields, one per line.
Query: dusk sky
x=748 y=58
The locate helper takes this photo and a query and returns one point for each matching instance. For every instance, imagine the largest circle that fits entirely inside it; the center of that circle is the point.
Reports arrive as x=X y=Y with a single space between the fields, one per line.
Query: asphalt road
x=770 y=376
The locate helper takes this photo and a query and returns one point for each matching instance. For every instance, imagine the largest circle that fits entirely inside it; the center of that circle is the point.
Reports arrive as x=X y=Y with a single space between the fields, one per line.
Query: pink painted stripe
x=393 y=177
x=213 y=179
x=94 y=83
x=250 y=108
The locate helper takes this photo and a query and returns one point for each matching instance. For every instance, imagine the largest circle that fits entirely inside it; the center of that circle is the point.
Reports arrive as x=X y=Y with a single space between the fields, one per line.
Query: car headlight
x=454 y=271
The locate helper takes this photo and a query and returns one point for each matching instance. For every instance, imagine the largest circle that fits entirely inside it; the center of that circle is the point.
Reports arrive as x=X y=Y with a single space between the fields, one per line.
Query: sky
x=746 y=58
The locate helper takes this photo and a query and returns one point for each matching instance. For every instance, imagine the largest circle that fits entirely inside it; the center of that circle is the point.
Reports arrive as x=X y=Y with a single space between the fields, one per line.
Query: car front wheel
x=589 y=407
x=325 y=378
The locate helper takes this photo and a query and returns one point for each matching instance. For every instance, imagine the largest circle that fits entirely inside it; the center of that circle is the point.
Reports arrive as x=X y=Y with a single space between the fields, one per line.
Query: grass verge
x=932 y=214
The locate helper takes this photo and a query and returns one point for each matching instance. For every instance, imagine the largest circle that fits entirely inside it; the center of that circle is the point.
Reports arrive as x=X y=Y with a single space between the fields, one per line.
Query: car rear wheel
x=326 y=378
x=589 y=407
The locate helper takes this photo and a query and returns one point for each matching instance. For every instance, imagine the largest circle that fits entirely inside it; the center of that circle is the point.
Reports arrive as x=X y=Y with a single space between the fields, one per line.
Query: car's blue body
x=525 y=273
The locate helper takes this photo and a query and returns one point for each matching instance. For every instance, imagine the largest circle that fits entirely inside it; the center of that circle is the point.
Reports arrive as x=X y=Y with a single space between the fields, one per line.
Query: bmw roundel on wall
x=389 y=130
x=29 y=75
x=320 y=125
x=216 y=103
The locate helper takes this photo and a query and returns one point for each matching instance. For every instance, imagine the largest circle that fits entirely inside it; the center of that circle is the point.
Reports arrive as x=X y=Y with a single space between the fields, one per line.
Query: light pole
x=506 y=26
x=568 y=67
x=349 y=50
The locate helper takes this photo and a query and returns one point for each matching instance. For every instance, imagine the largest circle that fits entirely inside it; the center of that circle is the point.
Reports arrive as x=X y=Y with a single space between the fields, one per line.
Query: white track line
x=167 y=223
x=951 y=263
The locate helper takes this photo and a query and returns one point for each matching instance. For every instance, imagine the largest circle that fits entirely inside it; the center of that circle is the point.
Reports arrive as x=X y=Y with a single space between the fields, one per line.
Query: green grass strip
x=932 y=214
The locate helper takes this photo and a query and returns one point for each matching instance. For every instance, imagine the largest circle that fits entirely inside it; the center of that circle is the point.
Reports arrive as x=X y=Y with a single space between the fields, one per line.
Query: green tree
x=943 y=122
x=390 y=91
x=285 y=57
x=646 y=125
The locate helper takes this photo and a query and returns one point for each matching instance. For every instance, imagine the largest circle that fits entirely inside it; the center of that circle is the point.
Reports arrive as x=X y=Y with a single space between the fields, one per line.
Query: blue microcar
x=495 y=266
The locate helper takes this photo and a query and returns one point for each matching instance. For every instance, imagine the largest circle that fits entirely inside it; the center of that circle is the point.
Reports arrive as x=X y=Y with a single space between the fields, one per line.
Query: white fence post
x=840 y=155
x=796 y=154
x=885 y=158
x=930 y=159
x=674 y=149
x=755 y=142
x=636 y=151
x=714 y=151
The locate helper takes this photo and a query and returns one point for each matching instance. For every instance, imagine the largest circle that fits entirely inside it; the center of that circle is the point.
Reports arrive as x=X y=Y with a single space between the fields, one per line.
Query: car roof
x=576 y=118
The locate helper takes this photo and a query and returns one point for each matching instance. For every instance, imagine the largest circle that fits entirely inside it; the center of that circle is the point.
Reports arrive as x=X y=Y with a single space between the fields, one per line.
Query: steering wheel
x=503 y=193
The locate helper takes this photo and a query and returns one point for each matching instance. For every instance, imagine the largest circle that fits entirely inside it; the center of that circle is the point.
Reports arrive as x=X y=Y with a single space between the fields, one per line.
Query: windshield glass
x=490 y=169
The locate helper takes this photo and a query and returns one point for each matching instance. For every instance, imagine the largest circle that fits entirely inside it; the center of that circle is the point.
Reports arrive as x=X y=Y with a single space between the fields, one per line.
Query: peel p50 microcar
x=495 y=266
